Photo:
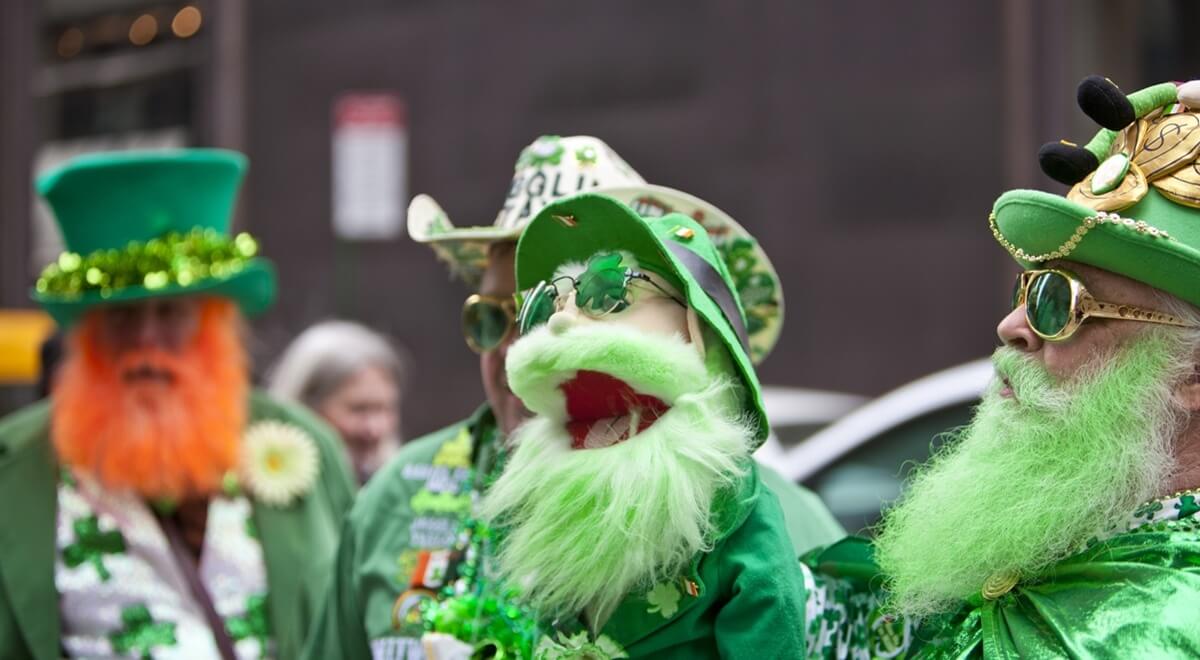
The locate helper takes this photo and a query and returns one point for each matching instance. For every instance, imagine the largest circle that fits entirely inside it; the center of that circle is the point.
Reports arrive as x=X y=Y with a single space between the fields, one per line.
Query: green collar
x=485 y=450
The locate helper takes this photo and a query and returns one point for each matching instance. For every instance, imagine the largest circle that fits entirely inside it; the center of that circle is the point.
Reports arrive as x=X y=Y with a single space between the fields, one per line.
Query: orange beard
x=172 y=437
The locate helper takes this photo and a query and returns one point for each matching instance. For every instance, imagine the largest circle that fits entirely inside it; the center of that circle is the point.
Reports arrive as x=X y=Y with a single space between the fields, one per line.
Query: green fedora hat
x=1134 y=204
x=673 y=246
x=149 y=224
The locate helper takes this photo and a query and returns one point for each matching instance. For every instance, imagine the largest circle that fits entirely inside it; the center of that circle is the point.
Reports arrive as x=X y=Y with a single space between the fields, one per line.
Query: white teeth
x=607 y=432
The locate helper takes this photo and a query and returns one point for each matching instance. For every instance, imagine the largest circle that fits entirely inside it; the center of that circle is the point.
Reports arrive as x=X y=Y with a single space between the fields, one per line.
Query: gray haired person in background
x=353 y=378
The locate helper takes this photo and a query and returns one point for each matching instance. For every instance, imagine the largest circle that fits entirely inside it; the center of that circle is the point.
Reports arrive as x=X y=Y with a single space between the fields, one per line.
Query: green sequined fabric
x=176 y=259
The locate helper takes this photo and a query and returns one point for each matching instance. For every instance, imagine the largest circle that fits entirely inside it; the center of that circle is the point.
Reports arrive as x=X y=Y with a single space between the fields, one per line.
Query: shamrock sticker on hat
x=586 y=155
x=547 y=150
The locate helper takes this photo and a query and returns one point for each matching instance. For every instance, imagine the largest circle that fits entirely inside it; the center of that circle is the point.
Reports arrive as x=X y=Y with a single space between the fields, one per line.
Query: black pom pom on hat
x=1065 y=162
x=1105 y=103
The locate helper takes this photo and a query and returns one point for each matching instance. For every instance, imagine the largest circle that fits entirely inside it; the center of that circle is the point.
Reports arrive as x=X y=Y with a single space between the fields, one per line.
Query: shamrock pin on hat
x=551 y=168
x=140 y=225
x=1134 y=204
x=674 y=246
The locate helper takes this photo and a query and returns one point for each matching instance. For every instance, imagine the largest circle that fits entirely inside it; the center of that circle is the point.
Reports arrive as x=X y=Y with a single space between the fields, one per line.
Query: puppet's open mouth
x=601 y=410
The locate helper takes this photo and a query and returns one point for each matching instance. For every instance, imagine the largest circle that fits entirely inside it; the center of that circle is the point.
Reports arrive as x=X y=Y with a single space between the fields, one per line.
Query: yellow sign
x=22 y=332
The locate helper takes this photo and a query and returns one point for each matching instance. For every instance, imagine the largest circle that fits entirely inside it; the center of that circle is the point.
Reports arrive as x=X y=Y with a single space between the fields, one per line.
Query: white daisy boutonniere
x=279 y=462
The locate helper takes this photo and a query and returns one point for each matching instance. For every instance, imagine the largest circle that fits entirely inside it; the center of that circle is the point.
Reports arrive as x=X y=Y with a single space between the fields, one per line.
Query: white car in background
x=857 y=463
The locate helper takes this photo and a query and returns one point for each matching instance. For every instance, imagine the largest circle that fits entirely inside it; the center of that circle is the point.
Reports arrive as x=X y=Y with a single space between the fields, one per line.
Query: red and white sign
x=370 y=165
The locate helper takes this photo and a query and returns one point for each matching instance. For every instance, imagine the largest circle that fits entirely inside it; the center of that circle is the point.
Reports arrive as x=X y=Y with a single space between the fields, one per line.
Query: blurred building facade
x=863 y=142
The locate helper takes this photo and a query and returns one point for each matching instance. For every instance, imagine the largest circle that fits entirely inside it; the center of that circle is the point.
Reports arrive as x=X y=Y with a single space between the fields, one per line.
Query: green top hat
x=1134 y=208
x=143 y=225
x=673 y=246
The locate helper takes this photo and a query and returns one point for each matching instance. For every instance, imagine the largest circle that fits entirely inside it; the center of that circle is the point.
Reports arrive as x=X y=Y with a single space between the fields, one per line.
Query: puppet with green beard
x=630 y=520
x=1045 y=528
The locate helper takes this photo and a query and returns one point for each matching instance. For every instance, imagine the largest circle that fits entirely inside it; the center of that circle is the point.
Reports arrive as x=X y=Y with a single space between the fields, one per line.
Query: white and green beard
x=1033 y=478
x=583 y=528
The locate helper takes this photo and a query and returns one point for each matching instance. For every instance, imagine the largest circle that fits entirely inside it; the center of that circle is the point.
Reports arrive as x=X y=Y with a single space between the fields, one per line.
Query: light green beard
x=584 y=528
x=1031 y=480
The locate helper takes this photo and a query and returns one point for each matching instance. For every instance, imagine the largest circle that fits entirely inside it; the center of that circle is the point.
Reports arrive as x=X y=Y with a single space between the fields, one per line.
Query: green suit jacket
x=297 y=541
x=415 y=503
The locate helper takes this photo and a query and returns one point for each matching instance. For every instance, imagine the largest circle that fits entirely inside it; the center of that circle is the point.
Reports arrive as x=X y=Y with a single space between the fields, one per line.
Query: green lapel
x=292 y=554
x=299 y=540
x=28 y=477
x=641 y=615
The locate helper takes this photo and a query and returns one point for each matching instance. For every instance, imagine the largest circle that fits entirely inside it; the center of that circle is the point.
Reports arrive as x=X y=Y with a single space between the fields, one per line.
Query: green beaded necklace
x=476 y=608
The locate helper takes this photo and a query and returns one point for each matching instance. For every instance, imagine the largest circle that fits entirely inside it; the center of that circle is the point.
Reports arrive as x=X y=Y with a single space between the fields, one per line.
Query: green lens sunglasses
x=1057 y=303
x=488 y=321
x=602 y=289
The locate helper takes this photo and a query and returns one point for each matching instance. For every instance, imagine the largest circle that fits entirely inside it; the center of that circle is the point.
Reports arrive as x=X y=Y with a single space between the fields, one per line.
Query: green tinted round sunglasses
x=488 y=321
x=602 y=289
x=1057 y=303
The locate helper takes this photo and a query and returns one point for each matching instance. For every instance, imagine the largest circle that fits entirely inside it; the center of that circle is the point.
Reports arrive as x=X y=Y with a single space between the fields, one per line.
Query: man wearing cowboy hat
x=156 y=505
x=398 y=548
x=1064 y=521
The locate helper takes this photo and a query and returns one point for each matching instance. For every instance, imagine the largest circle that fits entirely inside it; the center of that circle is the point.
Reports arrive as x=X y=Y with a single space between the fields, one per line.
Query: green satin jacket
x=741 y=598
x=1135 y=594
x=298 y=541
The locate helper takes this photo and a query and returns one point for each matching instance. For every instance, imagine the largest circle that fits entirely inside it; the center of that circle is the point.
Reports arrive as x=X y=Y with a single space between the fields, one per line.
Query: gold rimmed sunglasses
x=1057 y=303
x=488 y=321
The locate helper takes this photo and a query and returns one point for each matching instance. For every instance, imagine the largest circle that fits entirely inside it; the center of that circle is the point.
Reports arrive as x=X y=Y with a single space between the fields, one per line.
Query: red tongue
x=593 y=396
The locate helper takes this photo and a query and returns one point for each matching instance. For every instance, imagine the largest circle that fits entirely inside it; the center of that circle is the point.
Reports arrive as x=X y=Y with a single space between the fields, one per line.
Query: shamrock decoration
x=1187 y=506
x=756 y=288
x=254 y=624
x=601 y=288
x=738 y=255
x=664 y=600
x=140 y=633
x=586 y=155
x=91 y=545
x=1148 y=510
x=578 y=645
x=547 y=150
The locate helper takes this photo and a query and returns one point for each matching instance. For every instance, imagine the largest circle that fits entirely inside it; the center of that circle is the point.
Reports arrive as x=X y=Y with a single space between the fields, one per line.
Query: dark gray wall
x=863 y=142
x=863 y=153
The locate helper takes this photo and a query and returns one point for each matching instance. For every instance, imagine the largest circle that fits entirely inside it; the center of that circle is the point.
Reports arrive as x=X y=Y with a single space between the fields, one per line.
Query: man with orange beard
x=156 y=506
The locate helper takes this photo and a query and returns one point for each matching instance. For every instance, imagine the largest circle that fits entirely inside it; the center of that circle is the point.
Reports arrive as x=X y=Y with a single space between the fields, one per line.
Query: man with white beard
x=1062 y=521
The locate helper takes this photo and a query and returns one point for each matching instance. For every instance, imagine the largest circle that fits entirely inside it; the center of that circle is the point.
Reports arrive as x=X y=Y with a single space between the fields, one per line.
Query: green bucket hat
x=1134 y=205
x=673 y=246
x=141 y=225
